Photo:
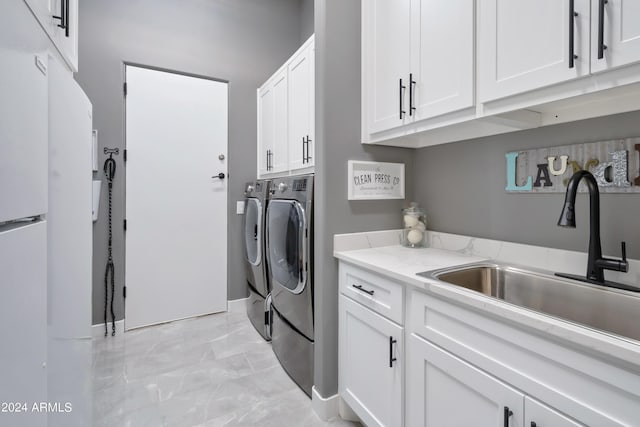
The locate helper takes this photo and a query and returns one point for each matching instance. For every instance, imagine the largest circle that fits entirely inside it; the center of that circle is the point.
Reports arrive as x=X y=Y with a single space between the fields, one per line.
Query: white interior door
x=176 y=206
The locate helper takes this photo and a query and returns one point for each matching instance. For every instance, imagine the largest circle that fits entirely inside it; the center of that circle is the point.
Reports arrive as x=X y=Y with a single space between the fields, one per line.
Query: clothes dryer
x=290 y=258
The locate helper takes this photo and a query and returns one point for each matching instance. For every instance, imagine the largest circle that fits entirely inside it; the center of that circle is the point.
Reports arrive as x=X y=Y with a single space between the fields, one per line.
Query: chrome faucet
x=596 y=263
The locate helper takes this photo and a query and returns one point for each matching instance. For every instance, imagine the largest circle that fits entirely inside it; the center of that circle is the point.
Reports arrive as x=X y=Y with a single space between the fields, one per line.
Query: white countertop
x=381 y=253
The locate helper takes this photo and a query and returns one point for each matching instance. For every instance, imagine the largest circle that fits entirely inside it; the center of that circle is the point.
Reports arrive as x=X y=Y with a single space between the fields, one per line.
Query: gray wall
x=337 y=25
x=306 y=19
x=242 y=41
x=461 y=186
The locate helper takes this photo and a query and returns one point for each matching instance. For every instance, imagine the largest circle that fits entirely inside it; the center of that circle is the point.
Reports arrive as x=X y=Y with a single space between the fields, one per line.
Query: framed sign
x=375 y=180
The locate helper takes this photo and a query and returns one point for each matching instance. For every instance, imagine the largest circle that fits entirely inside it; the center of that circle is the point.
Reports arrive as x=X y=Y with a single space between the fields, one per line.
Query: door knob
x=219 y=176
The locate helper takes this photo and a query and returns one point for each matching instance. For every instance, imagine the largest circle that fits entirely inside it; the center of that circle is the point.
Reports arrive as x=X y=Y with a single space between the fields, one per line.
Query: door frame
x=124 y=66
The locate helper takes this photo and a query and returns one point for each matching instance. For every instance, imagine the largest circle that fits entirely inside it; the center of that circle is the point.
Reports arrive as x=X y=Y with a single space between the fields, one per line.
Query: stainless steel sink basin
x=605 y=309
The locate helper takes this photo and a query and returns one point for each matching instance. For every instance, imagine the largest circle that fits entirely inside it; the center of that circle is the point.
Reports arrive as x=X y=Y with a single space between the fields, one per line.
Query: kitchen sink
x=599 y=307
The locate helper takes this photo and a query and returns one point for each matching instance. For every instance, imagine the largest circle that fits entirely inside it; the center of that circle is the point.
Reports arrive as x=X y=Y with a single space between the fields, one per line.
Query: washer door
x=286 y=226
x=253 y=231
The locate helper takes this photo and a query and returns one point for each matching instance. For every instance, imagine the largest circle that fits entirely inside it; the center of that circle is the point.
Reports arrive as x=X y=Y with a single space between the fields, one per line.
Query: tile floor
x=208 y=371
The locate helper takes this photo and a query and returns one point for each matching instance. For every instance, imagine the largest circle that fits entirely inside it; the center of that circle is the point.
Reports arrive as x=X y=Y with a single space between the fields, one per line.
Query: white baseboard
x=97 y=331
x=345 y=411
x=331 y=407
x=237 y=305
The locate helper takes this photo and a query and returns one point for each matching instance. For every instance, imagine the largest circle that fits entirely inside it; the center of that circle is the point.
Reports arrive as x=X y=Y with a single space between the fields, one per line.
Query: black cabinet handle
x=269 y=165
x=308 y=156
x=533 y=424
x=66 y=21
x=219 y=176
x=402 y=88
x=304 y=156
x=64 y=16
x=391 y=358
x=361 y=289
x=412 y=85
x=507 y=414
x=601 y=45
x=572 y=29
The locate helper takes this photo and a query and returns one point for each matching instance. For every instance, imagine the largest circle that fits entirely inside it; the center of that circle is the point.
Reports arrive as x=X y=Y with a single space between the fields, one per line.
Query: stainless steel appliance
x=290 y=258
x=256 y=198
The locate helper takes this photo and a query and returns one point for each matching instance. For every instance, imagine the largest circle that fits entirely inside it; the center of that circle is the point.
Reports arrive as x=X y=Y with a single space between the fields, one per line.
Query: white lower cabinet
x=444 y=391
x=370 y=364
x=443 y=363
x=538 y=415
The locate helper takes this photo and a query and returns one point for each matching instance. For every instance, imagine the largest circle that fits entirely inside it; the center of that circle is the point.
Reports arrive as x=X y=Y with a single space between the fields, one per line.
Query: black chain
x=110 y=173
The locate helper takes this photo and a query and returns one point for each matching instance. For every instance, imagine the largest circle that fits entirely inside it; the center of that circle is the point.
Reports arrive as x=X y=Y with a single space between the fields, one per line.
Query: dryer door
x=253 y=231
x=288 y=256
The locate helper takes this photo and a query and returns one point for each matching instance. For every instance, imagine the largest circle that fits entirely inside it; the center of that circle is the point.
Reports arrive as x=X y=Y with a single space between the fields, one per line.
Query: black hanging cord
x=110 y=173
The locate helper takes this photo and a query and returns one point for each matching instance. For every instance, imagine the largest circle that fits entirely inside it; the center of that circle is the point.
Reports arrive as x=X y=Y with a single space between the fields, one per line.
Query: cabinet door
x=525 y=45
x=279 y=158
x=620 y=33
x=444 y=391
x=301 y=109
x=23 y=322
x=386 y=61
x=443 y=36
x=265 y=128
x=67 y=39
x=272 y=125
x=370 y=381
x=50 y=14
x=538 y=415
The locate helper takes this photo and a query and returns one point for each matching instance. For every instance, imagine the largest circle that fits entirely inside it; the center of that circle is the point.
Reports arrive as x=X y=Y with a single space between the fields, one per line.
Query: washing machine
x=256 y=199
x=290 y=258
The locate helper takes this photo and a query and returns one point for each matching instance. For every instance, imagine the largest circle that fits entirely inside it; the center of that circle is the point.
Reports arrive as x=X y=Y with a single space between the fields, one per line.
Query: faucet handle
x=624 y=264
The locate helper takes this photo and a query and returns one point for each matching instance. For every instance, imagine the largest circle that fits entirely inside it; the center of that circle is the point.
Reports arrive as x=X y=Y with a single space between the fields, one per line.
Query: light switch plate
x=240 y=207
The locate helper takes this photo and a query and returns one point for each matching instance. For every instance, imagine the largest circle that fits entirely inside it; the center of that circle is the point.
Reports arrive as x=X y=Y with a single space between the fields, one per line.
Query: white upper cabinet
x=386 y=61
x=302 y=109
x=59 y=18
x=442 y=77
x=272 y=124
x=615 y=33
x=528 y=44
x=436 y=71
x=286 y=117
x=417 y=62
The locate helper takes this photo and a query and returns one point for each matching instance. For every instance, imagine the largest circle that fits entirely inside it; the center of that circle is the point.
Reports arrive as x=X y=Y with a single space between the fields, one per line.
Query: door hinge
x=124 y=291
x=124 y=88
x=124 y=223
x=124 y=154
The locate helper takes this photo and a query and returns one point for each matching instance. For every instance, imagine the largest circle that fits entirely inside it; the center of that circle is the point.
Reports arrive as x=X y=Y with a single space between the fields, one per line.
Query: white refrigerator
x=69 y=249
x=45 y=231
x=23 y=208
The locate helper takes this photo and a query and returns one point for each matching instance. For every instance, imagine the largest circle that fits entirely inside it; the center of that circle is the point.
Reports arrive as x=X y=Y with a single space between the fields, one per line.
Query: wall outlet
x=240 y=207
